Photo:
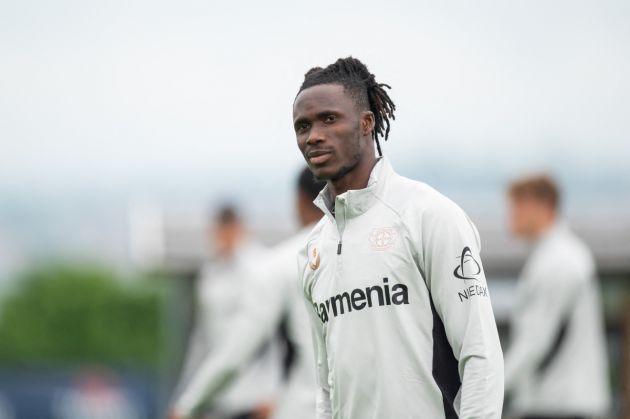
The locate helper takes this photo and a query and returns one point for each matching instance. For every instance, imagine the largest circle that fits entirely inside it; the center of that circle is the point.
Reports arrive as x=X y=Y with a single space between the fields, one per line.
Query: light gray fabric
x=558 y=287
x=375 y=349
x=222 y=293
x=275 y=293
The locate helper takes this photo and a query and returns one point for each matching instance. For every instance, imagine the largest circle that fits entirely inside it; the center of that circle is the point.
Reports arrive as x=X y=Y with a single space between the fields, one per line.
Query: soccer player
x=556 y=365
x=274 y=296
x=219 y=292
x=399 y=306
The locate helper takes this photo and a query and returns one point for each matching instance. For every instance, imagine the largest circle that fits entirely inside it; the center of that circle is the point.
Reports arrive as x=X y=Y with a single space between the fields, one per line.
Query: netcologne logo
x=468 y=267
x=314 y=264
x=361 y=298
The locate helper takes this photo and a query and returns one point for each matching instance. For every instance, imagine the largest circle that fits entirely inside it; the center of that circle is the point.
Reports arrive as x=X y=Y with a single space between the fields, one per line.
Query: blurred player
x=220 y=301
x=399 y=305
x=275 y=296
x=556 y=365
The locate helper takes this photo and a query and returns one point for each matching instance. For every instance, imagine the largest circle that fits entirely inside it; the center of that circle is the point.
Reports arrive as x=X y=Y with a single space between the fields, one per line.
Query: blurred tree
x=80 y=314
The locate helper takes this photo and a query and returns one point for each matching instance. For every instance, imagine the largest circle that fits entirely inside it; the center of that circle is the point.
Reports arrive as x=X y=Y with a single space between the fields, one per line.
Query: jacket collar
x=355 y=202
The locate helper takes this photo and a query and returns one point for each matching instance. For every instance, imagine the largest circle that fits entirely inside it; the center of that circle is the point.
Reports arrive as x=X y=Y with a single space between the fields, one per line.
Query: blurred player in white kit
x=556 y=365
x=274 y=296
x=220 y=290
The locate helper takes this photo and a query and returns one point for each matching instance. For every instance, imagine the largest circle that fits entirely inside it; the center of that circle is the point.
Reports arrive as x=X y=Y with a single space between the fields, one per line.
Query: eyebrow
x=319 y=115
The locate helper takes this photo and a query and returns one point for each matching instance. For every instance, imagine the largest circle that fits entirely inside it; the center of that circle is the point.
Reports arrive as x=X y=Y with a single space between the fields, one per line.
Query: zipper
x=341 y=228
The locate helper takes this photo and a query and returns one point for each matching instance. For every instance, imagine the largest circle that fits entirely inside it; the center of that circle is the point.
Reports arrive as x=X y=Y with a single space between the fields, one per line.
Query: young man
x=400 y=313
x=556 y=364
x=220 y=288
x=274 y=296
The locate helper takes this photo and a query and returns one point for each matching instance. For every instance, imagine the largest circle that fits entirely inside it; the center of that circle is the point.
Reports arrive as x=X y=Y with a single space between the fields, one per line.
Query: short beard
x=356 y=158
x=344 y=170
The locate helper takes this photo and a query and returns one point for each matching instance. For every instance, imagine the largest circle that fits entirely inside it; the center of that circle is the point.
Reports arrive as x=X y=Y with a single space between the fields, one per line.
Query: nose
x=315 y=135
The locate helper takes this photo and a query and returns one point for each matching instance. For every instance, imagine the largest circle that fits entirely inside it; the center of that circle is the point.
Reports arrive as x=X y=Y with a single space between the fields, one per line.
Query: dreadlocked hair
x=357 y=80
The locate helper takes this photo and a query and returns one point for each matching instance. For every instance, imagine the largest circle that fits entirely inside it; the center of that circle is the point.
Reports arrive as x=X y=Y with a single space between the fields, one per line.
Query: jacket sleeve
x=449 y=259
x=255 y=325
x=322 y=398
x=543 y=310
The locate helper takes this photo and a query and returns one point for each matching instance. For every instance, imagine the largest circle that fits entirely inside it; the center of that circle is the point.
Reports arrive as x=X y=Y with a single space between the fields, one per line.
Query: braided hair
x=357 y=80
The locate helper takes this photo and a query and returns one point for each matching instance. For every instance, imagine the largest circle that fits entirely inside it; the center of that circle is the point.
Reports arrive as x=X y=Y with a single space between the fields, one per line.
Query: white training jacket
x=274 y=295
x=557 y=362
x=220 y=292
x=400 y=312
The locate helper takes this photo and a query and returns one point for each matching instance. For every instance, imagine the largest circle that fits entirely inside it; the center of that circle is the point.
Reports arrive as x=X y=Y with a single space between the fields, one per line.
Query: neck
x=358 y=178
x=544 y=227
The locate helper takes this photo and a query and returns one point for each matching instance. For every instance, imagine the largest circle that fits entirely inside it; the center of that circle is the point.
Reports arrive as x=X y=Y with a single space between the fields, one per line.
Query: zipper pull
x=339 y=248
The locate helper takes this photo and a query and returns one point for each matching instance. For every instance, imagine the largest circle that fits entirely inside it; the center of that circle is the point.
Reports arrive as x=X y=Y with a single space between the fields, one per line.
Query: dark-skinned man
x=400 y=311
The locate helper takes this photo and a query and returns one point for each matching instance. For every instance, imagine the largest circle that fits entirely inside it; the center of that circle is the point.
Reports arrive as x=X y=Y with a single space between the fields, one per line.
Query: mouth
x=318 y=157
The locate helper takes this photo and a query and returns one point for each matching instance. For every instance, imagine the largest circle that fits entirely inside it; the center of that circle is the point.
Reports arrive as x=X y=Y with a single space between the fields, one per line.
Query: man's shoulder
x=306 y=239
x=411 y=197
x=567 y=252
x=559 y=260
x=284 y=253
x=315 y=231
x=293 y=243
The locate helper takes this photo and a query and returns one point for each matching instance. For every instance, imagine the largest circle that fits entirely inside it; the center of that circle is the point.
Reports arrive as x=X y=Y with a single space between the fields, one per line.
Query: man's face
x=227 y=237
x=328 y=128
x=528 y=216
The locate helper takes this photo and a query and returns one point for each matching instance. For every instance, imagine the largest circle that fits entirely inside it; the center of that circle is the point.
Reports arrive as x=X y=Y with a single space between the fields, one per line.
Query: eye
x=302 y=126
x=330 y=119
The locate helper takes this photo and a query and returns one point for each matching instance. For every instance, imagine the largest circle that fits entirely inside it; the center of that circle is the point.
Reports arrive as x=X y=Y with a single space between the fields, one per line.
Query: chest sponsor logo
x=314 y=259
x=382 y=238
x=468 y=267
x=361 y=298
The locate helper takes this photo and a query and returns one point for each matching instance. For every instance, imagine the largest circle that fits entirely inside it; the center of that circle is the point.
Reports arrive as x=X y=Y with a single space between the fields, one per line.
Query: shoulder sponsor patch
x=468 y=268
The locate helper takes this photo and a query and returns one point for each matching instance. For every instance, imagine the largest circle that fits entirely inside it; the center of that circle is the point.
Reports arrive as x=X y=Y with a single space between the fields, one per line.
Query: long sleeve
x=255 y=325
x=322 y=401
x=322 y=398
x=456 y=280
x=542 y=311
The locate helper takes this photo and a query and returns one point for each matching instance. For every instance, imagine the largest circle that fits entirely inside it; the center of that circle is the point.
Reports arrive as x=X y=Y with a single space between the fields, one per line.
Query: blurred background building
x=123 y=123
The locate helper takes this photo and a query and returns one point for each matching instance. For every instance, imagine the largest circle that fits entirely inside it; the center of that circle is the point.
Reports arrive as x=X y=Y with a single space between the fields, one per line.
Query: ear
x=367 y=123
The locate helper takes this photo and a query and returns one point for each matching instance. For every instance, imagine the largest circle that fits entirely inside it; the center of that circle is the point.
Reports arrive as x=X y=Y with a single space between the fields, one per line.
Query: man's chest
x=371 y=263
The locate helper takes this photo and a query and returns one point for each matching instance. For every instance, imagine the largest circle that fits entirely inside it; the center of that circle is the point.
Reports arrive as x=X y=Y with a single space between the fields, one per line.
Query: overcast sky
x=153 y=95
